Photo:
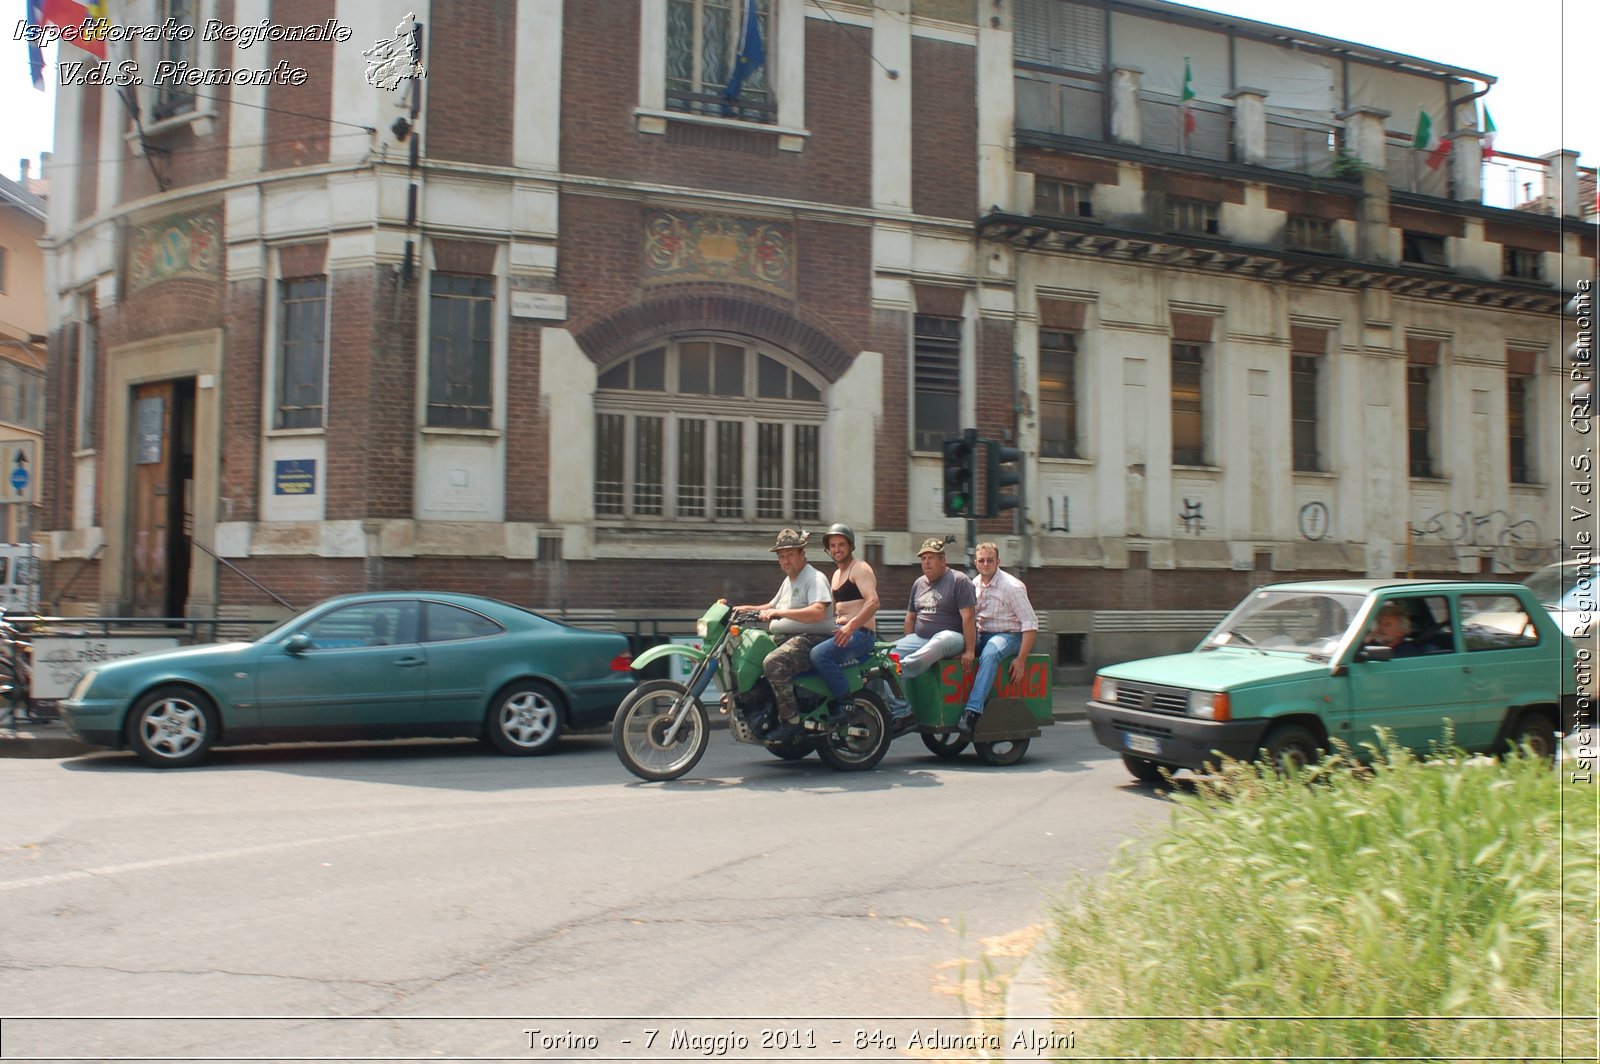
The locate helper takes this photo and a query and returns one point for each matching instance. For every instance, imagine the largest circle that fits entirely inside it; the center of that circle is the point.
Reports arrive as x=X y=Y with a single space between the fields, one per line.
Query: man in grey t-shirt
x=802 y=610
x=939 y=620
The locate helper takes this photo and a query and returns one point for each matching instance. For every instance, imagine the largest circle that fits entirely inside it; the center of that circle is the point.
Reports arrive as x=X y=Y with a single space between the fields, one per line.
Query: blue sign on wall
x=296 y=476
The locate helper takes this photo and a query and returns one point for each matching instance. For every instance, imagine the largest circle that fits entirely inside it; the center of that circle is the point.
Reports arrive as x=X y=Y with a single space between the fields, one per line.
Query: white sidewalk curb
x=1028 y=1015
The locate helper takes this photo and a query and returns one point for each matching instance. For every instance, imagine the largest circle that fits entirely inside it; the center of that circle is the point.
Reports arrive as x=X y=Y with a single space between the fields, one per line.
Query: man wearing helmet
x=855 y=604
x=802 y=611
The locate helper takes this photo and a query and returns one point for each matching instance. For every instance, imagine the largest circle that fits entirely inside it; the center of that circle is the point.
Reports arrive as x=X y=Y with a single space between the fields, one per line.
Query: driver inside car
x=1392 y=629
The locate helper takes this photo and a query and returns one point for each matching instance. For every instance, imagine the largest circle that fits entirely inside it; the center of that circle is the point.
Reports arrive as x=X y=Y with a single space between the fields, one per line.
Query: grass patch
x=1392 y=909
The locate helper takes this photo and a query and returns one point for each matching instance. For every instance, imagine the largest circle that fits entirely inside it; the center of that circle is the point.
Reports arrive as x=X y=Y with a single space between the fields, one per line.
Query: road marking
x=241 y=851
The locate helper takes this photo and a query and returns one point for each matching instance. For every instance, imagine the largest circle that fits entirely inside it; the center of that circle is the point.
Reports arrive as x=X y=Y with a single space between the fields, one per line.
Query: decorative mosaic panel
x=180 y=245
x=679 y=246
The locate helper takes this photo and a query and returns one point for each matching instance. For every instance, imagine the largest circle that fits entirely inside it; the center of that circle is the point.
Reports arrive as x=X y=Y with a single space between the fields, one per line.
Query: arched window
x=708 y=429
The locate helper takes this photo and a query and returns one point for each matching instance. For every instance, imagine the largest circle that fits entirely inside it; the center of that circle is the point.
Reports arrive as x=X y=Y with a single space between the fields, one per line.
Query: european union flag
x=35 y=54
x=752 y=53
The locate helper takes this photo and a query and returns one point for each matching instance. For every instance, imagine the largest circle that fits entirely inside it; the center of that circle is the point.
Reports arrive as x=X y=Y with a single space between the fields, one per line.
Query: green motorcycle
x=662 y=727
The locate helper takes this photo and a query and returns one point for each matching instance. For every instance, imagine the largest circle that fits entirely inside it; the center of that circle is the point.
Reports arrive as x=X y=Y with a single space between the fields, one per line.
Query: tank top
x=847 y=591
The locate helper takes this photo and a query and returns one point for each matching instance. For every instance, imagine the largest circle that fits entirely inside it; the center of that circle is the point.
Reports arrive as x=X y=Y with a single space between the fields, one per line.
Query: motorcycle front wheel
x=639 y=733
x=860 y=742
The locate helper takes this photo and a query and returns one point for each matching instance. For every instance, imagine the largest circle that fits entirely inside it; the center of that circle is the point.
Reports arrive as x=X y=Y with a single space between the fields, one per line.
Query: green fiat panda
x=1295 y=666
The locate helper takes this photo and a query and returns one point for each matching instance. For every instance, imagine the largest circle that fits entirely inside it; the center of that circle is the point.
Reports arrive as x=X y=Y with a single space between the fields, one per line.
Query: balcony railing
x=1073 y=104
x=1065 y=104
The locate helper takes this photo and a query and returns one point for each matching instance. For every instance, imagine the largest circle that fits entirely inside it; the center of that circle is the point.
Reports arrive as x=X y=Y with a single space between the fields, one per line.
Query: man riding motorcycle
x=802 y=609
x=661 y=728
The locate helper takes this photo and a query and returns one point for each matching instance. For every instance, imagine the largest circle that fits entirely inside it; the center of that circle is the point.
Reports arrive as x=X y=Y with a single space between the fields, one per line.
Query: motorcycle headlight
x=700 y=628
x=1208 y=705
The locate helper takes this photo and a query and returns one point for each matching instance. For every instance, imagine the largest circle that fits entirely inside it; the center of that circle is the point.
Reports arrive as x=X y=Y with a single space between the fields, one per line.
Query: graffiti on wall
x=1513 y=544
x=1064 y=522
x=1315 y=521
x=1192 y=516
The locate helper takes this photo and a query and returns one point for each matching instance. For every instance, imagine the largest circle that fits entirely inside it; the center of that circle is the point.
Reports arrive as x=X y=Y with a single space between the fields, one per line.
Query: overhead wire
x=852 y=38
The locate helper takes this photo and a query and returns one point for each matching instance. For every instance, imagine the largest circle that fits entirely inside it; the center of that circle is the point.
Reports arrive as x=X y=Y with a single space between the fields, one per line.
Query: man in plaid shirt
x=1007 y=626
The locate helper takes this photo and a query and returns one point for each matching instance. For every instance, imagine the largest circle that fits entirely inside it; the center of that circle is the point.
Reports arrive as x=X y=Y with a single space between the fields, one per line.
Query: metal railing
x=246 y=577
x=198 y=629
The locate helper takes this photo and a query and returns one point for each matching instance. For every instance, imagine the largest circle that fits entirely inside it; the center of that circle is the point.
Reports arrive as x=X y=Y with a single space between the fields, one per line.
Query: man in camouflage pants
x=802 y=610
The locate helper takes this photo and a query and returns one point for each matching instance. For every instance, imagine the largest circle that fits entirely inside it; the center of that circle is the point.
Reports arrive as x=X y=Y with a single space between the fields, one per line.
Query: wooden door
x=159 y=498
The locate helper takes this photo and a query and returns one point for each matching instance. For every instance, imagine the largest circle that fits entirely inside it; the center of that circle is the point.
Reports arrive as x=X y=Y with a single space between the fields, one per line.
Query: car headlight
x=1208 y=705
x=700 y=628
x=1105 y=689
x=81 y=688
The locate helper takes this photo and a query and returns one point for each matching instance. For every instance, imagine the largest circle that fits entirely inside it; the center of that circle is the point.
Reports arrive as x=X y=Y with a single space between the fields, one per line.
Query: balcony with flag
x=1167 y=136
x=1167 y=78
x=717 y=61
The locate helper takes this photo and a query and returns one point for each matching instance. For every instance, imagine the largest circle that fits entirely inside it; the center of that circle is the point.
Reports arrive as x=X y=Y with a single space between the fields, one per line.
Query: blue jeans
x=828 y=659
x=917 y=656
x=992 y=646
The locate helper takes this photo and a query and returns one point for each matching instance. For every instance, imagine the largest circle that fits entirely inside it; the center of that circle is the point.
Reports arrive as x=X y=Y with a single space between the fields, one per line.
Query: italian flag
x=1186 y=100
x=1428 y=141
x=70 y=14
x=1488 y=136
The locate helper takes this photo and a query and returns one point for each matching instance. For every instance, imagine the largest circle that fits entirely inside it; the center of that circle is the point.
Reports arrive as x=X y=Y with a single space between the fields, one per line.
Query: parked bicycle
x=16 y=677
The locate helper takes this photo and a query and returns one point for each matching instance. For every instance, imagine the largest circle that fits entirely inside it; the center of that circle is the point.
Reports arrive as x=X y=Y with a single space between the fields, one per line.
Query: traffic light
x=1003 y=472
x=959 y=453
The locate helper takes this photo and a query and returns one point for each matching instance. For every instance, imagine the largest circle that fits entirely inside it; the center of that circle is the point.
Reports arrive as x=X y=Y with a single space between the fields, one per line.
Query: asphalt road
x=409 y=888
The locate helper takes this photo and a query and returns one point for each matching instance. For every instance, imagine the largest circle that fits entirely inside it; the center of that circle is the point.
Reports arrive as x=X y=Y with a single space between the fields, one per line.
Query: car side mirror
x=298 y=643
x=1375 y=654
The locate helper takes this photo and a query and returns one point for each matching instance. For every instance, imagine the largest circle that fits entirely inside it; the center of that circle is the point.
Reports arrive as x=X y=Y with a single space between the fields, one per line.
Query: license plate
x=1142 y=744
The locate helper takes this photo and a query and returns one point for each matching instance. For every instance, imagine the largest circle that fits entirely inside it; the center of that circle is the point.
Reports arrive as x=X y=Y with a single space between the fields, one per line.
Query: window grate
x=1192 y=216
x=769 y=471
x=302 y=346
x=461 y=310
x=1058 y=394
x=1301 y=233
x=808 y=472
x=1423 y=249
x=1058 y=34
x=648 y=490
x=730 y=469
x=177 y=47
x=610 y=480
x=1519 y=388
x=1304 y=394
x=702 y=47
x=1058 y=199
x=1188 y=404
x=691 y=467
x=673 y=457
x=937 y=345
x=1521 y=263
x=1419 y=429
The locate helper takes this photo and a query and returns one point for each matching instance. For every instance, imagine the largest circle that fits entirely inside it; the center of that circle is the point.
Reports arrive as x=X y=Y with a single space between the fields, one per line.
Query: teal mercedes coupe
x=387 y=665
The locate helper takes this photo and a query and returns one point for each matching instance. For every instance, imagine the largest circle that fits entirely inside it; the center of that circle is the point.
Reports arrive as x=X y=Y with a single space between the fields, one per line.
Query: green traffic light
x=959 y=453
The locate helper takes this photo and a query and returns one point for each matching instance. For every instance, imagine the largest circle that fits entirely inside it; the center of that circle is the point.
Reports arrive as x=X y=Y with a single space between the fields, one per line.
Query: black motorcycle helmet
x=841 y=529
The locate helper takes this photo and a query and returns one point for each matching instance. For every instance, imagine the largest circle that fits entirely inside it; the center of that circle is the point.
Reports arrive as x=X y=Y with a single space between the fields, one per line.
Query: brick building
x=22 y=351
x=567 y=327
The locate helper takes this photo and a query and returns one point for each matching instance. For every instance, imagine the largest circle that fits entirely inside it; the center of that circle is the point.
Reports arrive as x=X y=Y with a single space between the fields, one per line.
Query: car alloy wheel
x=172 y=727
x=525 y=718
